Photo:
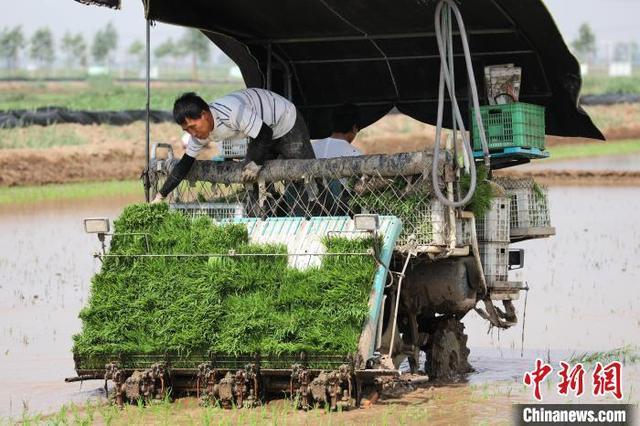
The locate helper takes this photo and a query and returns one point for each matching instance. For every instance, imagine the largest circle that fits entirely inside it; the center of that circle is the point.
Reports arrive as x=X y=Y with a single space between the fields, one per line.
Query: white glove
x=158 y=199
x=250 y=172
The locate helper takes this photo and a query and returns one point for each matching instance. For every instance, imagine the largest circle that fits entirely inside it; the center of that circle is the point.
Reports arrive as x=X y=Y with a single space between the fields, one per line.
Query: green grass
x=39 y=137
x=596 y=85
x=69 y=191
x=595 y=149
x=205 y=72
x=104 y=94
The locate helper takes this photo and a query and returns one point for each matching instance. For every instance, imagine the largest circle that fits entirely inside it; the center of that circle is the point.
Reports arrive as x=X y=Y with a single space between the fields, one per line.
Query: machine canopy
x=381 y=54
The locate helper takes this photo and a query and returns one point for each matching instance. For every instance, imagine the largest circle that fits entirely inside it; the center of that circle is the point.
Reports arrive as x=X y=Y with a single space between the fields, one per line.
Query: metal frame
x=148 y=110
x=411 y=101
x=404 y=58
x=367 y=37
x=269 y=66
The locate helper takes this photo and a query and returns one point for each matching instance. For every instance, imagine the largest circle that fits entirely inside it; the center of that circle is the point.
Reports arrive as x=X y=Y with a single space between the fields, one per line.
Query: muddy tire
x=447 y=352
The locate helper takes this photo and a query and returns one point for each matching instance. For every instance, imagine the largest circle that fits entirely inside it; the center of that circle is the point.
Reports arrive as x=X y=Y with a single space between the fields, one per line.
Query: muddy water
x=45 y=268
x=584 y=290
x=584 y=293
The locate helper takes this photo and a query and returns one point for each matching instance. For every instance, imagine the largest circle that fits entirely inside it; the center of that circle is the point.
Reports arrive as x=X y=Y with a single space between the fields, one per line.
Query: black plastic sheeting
x=55 y=115
x=610 y=99
x=46 y=116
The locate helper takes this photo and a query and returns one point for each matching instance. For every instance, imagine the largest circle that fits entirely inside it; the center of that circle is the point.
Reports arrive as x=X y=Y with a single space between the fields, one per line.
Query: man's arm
x=260 y=146
x=246 y=120
x=179 y=172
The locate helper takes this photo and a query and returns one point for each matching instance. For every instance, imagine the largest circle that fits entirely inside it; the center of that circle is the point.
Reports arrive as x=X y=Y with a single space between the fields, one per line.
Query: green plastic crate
x=510 y=125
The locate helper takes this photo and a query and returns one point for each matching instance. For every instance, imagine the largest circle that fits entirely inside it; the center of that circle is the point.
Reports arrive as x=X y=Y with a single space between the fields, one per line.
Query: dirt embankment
x=69 y=164
x=578 y=177
x=117 y=153
x=110 y=153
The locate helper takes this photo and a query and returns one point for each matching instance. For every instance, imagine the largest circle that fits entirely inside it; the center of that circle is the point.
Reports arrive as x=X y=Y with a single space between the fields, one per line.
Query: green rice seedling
x=61 y=417
x=481 y=200
x=627 y=354
x=231 y=297
x=108 y=412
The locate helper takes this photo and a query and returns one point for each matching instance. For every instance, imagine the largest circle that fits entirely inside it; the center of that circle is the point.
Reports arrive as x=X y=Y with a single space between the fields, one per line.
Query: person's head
x=192 y=113
x=345 y=121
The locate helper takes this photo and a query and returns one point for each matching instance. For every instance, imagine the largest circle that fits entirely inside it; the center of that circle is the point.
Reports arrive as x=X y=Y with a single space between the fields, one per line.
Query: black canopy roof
x=380 y=53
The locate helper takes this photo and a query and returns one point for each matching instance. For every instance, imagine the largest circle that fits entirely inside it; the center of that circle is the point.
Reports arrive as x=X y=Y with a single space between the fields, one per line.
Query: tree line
x=75 y=50
x=586 y=49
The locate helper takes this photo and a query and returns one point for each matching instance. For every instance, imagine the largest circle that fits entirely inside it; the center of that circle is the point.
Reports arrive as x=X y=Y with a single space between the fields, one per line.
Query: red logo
x=605 y=379
x=536 y=377
x=608 y=379
x=571 y=380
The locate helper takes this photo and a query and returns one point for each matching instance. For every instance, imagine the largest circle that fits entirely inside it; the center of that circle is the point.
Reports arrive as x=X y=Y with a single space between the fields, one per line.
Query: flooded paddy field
x=46 y=266
x=583 y=297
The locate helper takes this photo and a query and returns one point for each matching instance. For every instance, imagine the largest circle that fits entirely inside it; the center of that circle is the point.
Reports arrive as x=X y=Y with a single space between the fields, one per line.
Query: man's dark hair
x=344 y=118
x=188 y=105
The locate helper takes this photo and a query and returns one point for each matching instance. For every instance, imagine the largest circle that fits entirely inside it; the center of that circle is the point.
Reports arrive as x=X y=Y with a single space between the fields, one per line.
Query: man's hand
x=158 y=199
x=250 y=172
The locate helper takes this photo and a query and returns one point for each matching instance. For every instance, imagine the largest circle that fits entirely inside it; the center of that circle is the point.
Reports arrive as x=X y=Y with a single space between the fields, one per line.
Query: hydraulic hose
x=444 y=36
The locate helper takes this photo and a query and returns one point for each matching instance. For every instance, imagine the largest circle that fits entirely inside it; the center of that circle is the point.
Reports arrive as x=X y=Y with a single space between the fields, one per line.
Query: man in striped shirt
x=276 y=129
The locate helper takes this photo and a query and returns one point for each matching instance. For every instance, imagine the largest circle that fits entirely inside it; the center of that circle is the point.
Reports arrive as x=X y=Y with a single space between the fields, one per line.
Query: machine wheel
x=447 y=352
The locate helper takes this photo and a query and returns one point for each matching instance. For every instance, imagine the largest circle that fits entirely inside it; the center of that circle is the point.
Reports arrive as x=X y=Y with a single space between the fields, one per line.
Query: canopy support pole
x=288 y=90
x=147 y=185
x=269 y=65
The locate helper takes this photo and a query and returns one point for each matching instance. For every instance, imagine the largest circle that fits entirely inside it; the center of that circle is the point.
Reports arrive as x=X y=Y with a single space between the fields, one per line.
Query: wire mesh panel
x=494 y=226
x=425 y=220
x=495 y=261
x=529 y=208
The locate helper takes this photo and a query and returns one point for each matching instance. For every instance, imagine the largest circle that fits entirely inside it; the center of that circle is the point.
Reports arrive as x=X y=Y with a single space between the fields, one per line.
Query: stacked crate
x=515 y=125
x=493 y=241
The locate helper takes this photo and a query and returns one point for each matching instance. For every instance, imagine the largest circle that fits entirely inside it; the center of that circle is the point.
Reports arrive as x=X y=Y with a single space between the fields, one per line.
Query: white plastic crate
x=216 y=211
x=529 y=208
x=423 y=226
x=236 y=148
x=437 y=217
x=463 y=232
x=494 y=226
x=495 y=261
x=436 y=232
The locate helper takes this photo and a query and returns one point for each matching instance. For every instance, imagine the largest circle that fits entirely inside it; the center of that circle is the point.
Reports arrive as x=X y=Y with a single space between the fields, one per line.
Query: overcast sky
x=612 y=20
